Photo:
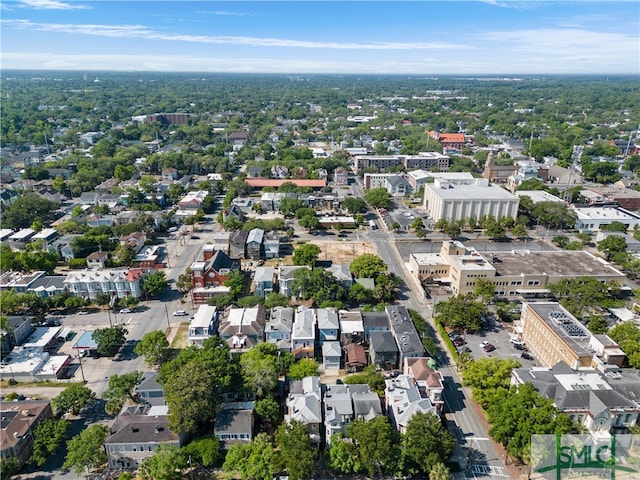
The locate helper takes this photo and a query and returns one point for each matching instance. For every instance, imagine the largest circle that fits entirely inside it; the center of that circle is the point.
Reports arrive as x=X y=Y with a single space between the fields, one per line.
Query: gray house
x=254 y=244
x=264 y=280
x=383 y=350
x=149 y=391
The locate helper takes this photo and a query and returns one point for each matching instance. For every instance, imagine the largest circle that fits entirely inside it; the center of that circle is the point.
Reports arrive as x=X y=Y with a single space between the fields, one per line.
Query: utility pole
x=81 y=369
x=166 y=311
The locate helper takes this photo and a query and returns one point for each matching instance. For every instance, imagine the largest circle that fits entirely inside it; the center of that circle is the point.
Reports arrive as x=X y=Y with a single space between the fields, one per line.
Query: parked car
x=83 y=312
x=180 y=313
x=126 y=310
x=516 y=341
x=527 y=356
x=484 y=343
x=463 y=349
x=458 y=342
x=517 y=346
x=489 y=348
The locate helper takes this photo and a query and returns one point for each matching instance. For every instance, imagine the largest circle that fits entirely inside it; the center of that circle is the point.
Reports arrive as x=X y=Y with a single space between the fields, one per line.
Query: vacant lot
x=339 y=251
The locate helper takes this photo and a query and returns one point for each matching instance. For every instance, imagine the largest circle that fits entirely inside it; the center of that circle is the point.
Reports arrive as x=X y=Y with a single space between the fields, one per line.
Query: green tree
x=484 y=289
x=166 y=463
x=580 y=295
x=519 y=413
x=462 y=311
x=268 y=409
x=153 y=347
x=376 y=443
x=109 y=340
x=486 y=375
x=343 y=455
x=47 y=438
x=425 y=442
x=310 y=222
x=317 y=284
x=275 y=299
x=296 y=454
x=26 y=209
x=306 y=254
x=120 y=390
x=354 y=205
x=154 y=283
x=305 y=367
x=611 y=245
x=378 y=197
x=367 y=265
x=204 y=450
x=194 y=383
x=627 y=335
x=256 y=460
x=440 y=472
x=520 y=231
x=236 y=283
x=73 y=400
x=259 y=368
x=85 y=451
x=598 y=325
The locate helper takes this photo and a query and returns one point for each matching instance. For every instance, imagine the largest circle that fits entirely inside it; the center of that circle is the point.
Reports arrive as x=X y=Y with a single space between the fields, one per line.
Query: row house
x=304 y=405
x=271 y=245
x=303 y=334
x=19 y=421
x=331 y=355
x=405 y=334
x=238 y=244
x=403 y=399
x=345 y=403
x=242 y=328
x=203 y=325
x=97 y=260
x=285 y=279
x=429 y=381
x=114 y=282
x=254 y=243
x=278 y=328
x=383 y=350
x=149 y=391
x=424 y=160
x=234 y=423
x=264 y=281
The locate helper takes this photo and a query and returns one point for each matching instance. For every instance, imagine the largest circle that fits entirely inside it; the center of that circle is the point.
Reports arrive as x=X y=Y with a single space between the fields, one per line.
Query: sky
x=483 y=37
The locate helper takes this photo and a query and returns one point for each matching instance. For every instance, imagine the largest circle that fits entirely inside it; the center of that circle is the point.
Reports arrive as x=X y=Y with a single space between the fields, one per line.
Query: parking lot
x=499 y=335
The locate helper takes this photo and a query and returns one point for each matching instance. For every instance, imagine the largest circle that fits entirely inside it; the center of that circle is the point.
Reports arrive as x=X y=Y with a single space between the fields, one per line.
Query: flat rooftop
x=552 y=263
x=538 y=196
x=557 y=317
x=471 y=192
x=605 y=213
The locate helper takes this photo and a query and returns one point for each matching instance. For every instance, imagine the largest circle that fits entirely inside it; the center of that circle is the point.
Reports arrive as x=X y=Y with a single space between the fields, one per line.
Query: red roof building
x=275 y=183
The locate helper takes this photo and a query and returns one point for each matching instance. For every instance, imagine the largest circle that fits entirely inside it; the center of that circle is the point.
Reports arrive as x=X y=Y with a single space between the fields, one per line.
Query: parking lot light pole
x=166 y=311
x=81 y=369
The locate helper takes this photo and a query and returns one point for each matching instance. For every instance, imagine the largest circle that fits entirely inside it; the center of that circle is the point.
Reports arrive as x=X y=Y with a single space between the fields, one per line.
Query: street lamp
x=81 y=369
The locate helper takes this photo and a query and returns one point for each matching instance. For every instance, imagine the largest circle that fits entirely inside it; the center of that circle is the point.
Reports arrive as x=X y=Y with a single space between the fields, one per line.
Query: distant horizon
x=432 y=76
x=468 y=38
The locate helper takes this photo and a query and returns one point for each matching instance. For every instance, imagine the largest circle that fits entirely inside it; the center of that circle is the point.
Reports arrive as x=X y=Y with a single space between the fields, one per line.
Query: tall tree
x=378 y=197
x=166 y=463
x=120 y=390
x=73 y=399
x=154 y=283
x=47 y=438
x=296 y=454
x=85 y=451
x=259 y=368
x=306 y=254
x=376 y=443
x=462 y=311
x=109 y=340
x=153 y=347
x=425 y=442
x=367 y=265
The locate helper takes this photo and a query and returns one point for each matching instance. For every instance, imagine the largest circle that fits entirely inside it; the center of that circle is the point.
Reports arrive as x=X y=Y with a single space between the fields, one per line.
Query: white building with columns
x=473 y=199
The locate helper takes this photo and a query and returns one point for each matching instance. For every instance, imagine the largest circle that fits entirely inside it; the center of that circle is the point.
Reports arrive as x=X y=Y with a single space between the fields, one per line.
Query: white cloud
x=140 y=31
x=227 y=13
x=51 y=5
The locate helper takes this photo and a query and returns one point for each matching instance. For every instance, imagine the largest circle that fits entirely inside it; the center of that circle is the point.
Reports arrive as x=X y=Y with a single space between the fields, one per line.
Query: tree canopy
x=85 y=451
x=153 y=346
x=367 y=265
x=73 y=399
x=306 y=254
x=109 y=340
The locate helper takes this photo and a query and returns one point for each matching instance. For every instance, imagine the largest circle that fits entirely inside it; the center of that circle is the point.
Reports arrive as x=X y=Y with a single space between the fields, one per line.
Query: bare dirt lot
x=339 y=251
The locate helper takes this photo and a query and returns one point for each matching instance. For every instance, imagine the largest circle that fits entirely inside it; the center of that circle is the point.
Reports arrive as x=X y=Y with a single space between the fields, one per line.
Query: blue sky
x=415 y=37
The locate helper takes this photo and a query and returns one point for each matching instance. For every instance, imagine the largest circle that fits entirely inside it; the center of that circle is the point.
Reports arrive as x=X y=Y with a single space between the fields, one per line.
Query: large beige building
x=553 y=335
x=473 y=199
x=512 y=272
